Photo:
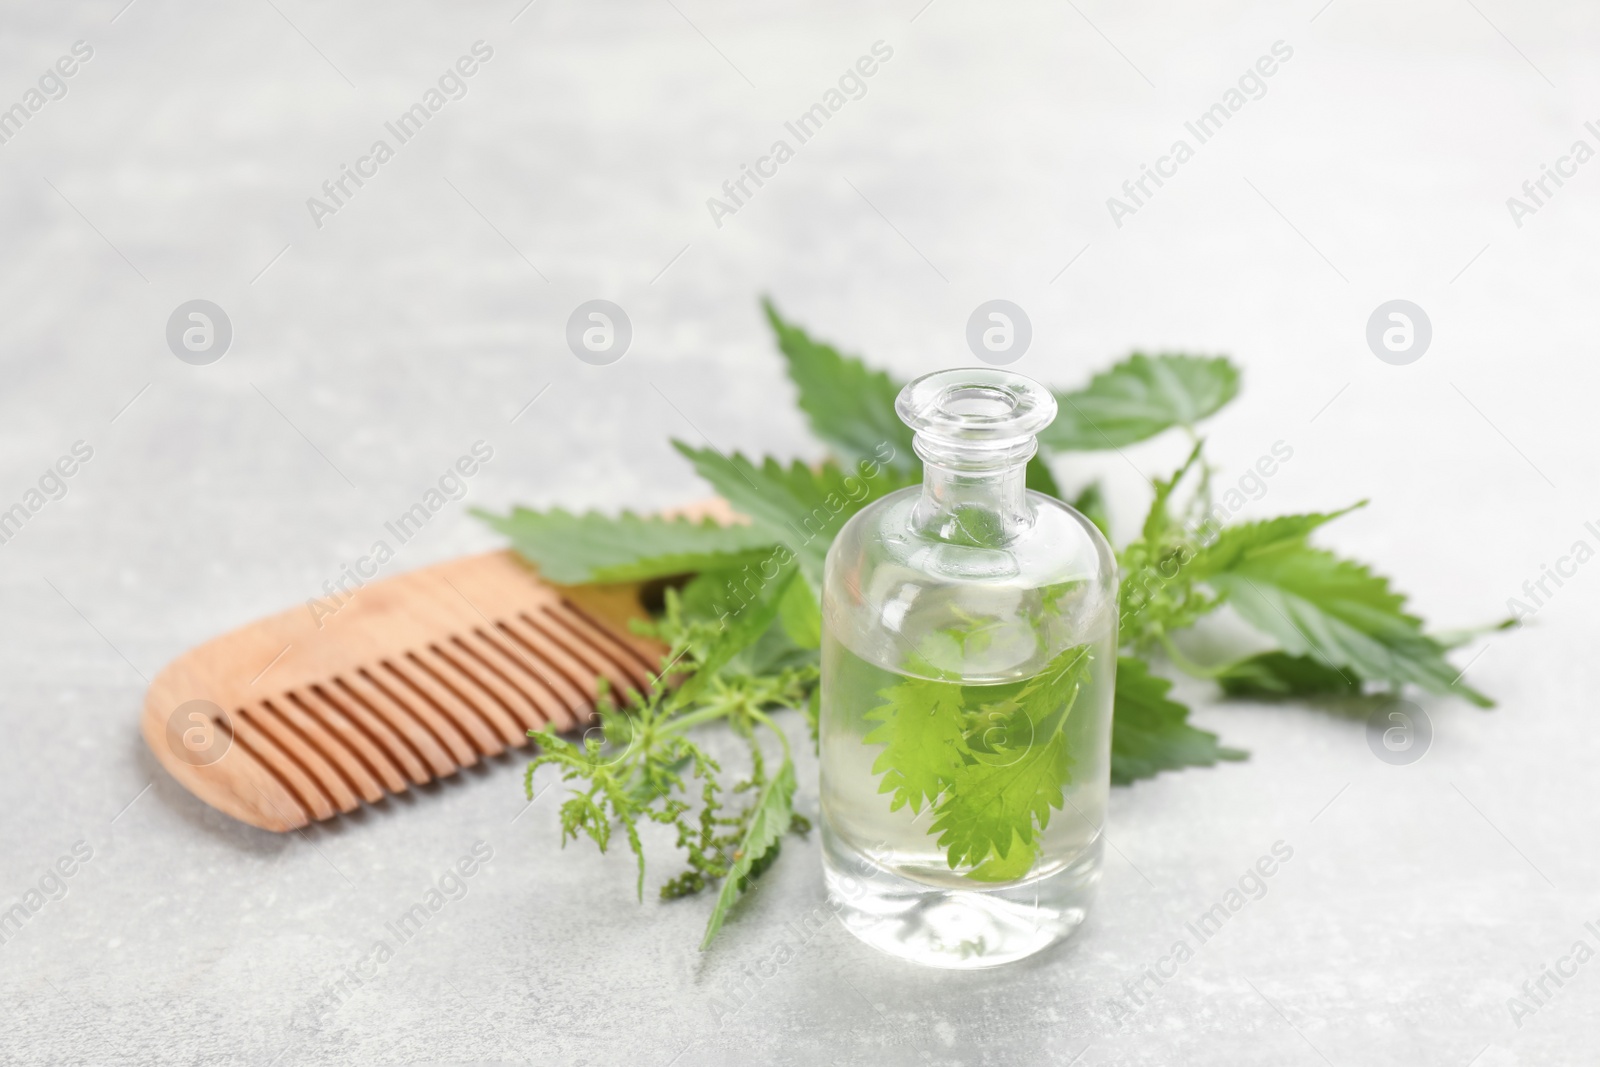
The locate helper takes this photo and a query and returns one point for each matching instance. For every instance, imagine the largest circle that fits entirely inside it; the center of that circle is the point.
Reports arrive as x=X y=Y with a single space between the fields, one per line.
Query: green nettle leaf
x=992 y=807
x=711 y=594
x=1150 y=733
x=774 y=810
x=1314 y=603
x=922 y=725
x=742 y=629
x=849 y=405
x=1038 y=705
x=1002 y=795
x=1273 y=675
x=1238 y=543
x=1138 y=398
x=592 y=547
x=1015 y=864
x=712 y=598
x=797 y=505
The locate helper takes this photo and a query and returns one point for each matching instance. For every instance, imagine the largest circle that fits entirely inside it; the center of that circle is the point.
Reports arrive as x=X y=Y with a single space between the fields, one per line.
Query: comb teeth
x=311 y=713
x=423 y=713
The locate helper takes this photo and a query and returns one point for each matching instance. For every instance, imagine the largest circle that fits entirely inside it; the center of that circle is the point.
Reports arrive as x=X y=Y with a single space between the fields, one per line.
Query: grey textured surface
x=423 y=317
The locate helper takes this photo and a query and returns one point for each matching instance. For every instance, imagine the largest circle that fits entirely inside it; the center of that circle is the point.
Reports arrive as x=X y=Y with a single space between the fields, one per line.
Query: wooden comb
x=293 y=719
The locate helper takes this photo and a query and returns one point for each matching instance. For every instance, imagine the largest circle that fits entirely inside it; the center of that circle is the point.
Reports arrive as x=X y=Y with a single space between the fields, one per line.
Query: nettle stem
x=680 y=723
x=765 y=720
x=720 y=709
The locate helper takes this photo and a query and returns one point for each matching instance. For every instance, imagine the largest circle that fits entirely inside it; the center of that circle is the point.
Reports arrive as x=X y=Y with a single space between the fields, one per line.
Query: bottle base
x=958 y=929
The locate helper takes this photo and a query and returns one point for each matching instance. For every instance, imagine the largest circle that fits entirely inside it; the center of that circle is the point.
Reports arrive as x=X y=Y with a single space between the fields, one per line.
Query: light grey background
x=429 y=311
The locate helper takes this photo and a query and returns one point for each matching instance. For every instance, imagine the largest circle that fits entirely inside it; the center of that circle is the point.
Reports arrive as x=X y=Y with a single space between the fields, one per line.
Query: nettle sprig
x=641 y=766
x=742 y=624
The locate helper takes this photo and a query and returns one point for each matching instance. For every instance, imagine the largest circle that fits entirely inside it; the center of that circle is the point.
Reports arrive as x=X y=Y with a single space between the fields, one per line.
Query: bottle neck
x=975 y=429
x=985 y=508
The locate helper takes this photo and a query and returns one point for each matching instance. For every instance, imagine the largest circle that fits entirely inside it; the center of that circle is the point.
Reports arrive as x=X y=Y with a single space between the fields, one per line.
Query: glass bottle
x=968 y=667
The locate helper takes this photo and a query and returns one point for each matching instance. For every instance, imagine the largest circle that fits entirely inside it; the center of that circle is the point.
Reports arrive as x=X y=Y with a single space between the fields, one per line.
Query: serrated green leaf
x=1138 y=398
x=795 y=505
x=849 y=405
x=1272 y=675
x=714 y=596
x=1150 y=732
x=741 y=629
x=991 y=808
x=774 y=810
x=1314 y=603
x=1001 y=797
x=773 y=653
x=709 y=595
x=570 y=548
x=921 y=724
x=1015 y=864
x=1237 y=543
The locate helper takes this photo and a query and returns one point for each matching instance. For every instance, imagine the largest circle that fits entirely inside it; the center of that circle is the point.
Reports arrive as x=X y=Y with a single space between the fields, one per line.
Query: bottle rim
x=975 y=415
